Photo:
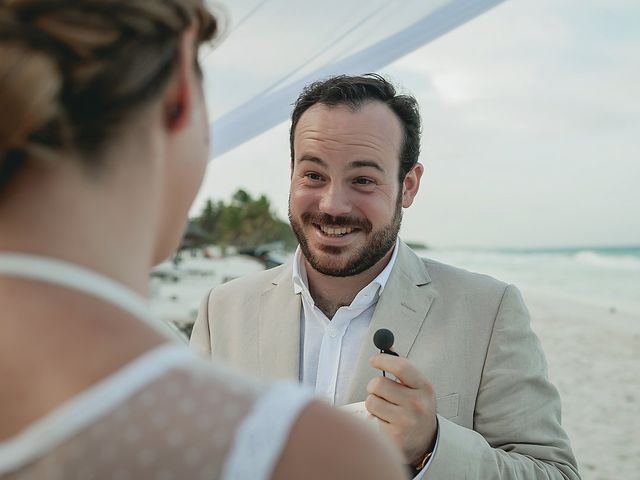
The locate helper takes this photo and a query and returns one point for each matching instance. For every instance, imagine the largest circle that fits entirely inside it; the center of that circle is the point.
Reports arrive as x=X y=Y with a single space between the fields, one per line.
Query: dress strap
x=71 y=275
x=263 y=435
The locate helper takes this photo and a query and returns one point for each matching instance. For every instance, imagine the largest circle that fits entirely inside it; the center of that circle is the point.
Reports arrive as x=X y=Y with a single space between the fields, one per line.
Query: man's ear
x=180 y=94
x=411 y=184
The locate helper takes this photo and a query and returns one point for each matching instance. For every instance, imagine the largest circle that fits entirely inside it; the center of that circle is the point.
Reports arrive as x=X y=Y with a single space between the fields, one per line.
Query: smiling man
x=345 y=204
x=470 y=398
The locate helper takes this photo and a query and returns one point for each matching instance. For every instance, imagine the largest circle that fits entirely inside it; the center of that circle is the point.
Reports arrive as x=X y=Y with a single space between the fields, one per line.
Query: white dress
x=165 y=415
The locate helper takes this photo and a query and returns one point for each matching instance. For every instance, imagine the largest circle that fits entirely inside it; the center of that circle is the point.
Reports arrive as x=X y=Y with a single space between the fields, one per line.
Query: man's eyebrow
x=365 y=163
x=311 y=158
x=352 y=165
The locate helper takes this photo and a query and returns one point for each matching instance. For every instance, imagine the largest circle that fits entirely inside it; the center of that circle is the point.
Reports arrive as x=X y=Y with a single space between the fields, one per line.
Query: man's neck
x=330 y=293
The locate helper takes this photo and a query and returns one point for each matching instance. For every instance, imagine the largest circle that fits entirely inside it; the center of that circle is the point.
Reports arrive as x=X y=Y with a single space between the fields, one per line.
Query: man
x=470 y=398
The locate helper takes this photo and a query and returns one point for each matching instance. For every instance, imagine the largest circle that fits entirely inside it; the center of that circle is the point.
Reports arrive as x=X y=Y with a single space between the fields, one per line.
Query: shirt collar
x=301 y=281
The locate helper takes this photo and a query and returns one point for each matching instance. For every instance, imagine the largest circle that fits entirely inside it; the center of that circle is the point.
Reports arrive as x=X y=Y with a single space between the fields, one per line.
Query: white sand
x=594 y=360
x=178 y=301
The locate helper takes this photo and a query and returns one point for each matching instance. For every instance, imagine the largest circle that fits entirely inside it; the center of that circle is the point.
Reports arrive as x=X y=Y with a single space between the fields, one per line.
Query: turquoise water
x=606 y=276
x=605 y=254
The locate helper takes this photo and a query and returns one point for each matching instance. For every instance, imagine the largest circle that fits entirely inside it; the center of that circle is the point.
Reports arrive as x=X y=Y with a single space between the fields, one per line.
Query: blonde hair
x=71 y=71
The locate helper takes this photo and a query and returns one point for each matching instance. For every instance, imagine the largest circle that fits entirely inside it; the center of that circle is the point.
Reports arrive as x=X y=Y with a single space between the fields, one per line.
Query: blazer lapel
x=279 y=329
x=402 y=308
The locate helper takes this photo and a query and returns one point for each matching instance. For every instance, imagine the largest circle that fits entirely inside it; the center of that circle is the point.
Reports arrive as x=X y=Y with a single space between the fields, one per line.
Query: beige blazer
x=469 y=334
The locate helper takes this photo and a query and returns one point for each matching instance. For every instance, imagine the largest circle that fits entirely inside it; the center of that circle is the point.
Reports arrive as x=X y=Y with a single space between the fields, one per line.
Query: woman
x=103 y=144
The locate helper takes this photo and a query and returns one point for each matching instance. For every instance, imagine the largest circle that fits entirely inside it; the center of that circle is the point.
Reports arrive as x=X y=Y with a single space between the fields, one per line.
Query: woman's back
x=164 y=415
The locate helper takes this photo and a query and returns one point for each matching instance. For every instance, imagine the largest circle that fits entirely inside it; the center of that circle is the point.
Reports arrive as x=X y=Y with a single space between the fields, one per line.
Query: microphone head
x=383 y=339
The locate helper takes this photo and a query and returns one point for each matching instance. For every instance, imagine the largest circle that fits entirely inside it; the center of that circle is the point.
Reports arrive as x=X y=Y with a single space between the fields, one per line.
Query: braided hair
x=71 y=71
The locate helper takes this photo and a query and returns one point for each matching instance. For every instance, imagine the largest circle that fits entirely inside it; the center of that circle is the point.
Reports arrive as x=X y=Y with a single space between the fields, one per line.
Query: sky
x=531 y=129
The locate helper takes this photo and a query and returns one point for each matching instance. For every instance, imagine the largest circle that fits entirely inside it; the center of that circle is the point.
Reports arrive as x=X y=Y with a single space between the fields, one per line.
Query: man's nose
x=335 y=201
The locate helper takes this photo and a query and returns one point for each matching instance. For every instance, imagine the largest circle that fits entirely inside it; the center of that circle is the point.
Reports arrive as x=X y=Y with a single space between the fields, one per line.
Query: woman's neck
x=68 y=218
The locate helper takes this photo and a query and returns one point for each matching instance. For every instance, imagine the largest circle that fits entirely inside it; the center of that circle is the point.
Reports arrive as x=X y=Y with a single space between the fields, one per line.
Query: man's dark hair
x=355 y=91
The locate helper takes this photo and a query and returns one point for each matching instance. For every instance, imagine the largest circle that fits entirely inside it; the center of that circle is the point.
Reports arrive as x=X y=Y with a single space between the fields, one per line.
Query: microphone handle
x=388 y=352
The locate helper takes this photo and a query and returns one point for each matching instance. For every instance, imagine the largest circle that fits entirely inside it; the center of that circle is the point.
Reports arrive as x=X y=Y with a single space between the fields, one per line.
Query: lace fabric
x=188 y=420
x=166 y=415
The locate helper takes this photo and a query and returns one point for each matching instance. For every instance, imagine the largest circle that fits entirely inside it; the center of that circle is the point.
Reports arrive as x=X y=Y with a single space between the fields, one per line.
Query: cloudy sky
x=531 y=129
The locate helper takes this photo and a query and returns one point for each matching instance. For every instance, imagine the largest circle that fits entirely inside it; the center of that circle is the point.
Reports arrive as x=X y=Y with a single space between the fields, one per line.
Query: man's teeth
x=336 y=231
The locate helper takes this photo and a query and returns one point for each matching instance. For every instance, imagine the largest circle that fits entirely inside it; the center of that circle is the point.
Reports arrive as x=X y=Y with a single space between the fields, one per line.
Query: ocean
x=603 y=276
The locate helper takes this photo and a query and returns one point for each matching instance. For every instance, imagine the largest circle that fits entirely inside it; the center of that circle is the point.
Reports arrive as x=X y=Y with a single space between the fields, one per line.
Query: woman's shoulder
x=327 y=443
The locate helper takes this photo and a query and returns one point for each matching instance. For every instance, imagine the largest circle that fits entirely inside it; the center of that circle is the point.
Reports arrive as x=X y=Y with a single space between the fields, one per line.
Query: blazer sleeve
x=517 y=432
x=200 y=340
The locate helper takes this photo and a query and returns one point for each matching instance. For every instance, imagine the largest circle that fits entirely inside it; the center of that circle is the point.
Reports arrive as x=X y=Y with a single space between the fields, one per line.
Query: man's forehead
x=369 y=115
x=372 y=126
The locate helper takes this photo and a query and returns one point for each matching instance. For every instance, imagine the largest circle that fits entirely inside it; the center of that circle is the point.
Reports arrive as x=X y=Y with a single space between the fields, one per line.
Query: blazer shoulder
x=253 y=283
x=449 y=275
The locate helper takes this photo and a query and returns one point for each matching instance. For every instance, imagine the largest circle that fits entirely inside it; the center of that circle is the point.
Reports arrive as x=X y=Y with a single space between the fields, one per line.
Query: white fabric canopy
x=276 y=47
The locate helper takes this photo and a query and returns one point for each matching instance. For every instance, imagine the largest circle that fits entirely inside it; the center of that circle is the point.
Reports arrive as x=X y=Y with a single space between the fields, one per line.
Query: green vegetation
x=245 y=222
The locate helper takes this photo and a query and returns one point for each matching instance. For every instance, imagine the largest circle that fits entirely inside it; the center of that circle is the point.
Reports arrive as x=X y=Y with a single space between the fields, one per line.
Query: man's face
x=345 y=202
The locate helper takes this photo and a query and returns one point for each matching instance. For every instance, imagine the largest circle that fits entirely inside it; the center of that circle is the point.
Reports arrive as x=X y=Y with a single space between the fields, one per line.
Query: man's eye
x=363 y=181
x=313 y=176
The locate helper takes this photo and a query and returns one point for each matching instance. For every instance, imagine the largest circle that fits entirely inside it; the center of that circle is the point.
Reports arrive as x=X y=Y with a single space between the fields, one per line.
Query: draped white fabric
x=288 y=44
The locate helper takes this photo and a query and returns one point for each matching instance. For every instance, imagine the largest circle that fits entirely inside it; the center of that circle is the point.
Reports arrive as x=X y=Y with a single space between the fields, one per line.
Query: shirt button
x=332 y=332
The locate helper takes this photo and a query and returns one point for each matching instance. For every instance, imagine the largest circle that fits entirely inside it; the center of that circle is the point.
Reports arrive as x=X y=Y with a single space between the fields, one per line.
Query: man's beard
x=374 y=249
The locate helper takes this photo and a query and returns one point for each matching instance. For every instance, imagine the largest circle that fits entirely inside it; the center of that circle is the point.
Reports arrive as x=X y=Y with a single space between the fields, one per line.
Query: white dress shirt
x=329 y=348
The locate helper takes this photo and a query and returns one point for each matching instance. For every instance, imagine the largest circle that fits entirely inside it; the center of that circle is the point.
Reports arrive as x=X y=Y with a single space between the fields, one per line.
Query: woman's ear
x=181 y=93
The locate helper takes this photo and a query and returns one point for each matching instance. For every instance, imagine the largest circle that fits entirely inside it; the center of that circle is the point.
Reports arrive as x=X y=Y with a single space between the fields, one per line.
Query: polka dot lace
x=182 y=425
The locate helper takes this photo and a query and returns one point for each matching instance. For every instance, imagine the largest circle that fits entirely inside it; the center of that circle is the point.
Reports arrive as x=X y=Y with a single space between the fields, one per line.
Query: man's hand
x=406 y=406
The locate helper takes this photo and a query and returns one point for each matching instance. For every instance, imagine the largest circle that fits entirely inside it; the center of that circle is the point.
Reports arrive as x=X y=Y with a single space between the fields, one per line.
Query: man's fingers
x=390 y=390
x=382 y=409
x=402 y=368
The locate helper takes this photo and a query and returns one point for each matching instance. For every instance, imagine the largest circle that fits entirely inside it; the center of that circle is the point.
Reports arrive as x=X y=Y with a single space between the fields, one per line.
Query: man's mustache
x=329 y=220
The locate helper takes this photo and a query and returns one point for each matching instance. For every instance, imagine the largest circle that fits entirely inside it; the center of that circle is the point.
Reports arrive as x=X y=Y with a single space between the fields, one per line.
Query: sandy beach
x=594 y=360
x=593 y=353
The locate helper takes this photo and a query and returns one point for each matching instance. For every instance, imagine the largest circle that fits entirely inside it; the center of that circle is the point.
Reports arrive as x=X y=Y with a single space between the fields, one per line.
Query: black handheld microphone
x=383 y=340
